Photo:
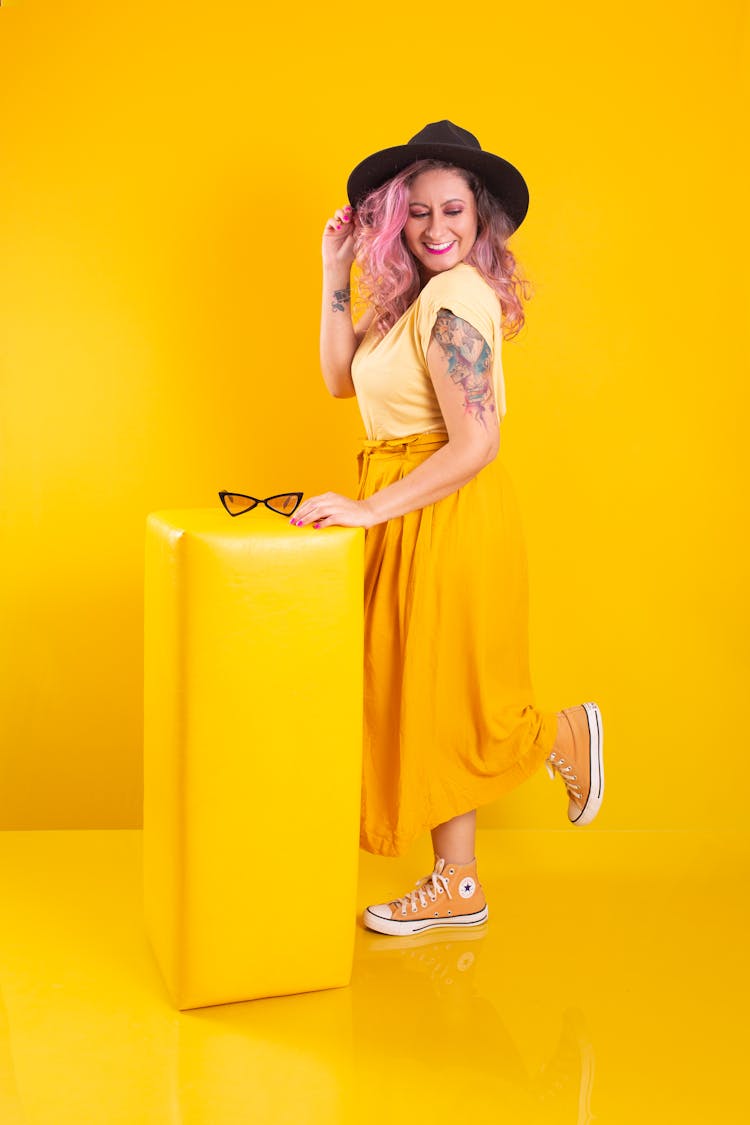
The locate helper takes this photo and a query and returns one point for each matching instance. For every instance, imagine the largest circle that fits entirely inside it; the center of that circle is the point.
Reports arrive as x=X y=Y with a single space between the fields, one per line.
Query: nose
x=436 y=231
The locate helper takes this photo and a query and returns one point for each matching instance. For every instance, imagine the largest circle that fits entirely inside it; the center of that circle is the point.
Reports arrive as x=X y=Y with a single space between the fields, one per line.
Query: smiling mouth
x=438 y=247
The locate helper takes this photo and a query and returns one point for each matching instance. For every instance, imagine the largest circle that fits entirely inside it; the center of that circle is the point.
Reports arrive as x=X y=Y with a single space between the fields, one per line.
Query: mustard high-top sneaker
x=577 y=758
x=451 y=896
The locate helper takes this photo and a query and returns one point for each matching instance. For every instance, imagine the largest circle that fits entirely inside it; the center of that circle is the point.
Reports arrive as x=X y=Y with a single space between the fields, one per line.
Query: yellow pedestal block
x=253 y=685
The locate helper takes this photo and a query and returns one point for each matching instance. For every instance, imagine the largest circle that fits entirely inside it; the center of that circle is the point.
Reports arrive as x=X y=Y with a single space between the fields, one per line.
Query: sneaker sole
x=596 y=766
x=393 y=926
x=388 y=942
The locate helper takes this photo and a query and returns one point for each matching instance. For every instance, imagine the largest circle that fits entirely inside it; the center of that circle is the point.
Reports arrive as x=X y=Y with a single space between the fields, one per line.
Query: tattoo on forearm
x=469 y=362
x=341 y=299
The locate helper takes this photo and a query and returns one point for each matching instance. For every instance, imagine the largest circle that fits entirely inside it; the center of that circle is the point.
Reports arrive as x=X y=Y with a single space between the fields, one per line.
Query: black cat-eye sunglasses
x=283 y=502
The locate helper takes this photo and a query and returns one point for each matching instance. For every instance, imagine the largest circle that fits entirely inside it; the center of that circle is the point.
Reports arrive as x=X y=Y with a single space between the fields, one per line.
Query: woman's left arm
x=460 y=364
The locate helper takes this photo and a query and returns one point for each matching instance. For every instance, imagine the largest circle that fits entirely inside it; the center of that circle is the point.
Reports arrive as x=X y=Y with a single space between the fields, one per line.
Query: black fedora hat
x=442 y=140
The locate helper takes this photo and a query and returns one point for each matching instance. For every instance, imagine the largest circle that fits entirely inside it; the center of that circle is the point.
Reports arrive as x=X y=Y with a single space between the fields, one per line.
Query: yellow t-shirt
x=390 y=373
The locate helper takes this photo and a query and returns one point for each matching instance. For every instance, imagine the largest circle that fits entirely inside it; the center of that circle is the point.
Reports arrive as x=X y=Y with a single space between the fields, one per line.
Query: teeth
x=438 y=245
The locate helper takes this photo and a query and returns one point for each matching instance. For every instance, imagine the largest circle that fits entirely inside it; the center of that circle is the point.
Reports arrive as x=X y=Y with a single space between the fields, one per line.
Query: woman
x=449 y=721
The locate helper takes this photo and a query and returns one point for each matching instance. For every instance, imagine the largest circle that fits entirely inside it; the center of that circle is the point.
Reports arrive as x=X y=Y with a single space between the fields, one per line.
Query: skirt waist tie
x=396 y=447
x=373 y=447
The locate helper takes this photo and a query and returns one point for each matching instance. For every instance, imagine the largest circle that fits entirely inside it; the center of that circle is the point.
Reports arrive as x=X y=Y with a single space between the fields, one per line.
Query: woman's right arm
x=338 y=337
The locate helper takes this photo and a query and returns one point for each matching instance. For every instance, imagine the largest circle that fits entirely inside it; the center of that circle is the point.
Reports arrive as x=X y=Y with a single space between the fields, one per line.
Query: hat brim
x=501 y=177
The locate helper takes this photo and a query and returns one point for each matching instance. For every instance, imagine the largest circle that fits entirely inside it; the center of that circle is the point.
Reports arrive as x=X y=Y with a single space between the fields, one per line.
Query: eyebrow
x=416 y=203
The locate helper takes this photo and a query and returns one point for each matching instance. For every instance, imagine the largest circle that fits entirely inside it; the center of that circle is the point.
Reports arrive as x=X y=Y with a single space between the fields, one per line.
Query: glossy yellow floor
x=609 y=984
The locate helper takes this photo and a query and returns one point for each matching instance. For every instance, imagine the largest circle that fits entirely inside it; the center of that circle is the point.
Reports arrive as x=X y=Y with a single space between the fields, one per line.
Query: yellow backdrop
x=167 y=169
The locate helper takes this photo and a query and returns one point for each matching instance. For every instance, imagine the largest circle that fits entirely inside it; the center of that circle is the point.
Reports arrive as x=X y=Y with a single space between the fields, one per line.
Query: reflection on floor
x=609 y=984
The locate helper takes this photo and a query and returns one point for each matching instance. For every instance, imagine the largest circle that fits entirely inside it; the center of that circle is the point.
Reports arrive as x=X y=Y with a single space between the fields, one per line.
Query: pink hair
x=389 y=278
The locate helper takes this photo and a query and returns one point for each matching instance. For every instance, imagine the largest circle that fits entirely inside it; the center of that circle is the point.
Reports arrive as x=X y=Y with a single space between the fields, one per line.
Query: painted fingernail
x=338 y=226
x=315 y=525
x=347 y=208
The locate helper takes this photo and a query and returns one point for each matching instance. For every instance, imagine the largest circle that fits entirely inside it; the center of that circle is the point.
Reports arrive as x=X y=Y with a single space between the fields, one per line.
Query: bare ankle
x=459 y=862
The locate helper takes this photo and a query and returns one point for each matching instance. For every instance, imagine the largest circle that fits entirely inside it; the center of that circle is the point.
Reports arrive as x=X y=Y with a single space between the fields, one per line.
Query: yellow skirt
x=449 y=722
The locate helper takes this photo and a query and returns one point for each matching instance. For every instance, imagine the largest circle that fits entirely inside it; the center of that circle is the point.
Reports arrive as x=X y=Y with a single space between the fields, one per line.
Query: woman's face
x=442 y=224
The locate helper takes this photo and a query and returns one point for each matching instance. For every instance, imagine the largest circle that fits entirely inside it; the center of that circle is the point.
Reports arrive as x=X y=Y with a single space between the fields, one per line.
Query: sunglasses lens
x=236 y=503
x=284 y=504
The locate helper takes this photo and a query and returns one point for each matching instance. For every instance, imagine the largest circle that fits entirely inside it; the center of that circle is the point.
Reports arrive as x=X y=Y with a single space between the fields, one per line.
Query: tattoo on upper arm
x=469 y=362
x=341 y=298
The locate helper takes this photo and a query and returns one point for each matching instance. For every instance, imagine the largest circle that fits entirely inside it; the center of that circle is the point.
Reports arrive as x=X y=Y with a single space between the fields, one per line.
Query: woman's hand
x=338 y=240
x=331 y=509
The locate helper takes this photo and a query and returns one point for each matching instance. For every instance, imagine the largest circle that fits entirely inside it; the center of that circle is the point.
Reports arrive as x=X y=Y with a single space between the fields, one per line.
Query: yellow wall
x=166 y=171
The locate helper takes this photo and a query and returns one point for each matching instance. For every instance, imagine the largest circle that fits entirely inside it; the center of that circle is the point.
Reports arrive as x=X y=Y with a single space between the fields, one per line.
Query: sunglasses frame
x=257 y=500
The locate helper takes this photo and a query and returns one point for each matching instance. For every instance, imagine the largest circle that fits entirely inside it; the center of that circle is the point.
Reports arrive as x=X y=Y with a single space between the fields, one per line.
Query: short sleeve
x=465 y=294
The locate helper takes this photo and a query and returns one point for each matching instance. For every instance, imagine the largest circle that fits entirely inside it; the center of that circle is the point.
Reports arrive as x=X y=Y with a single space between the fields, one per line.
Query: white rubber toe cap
x=382 y=910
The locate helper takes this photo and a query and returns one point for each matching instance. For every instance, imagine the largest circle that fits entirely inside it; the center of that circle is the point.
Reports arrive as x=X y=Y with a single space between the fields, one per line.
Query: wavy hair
x=389 y=280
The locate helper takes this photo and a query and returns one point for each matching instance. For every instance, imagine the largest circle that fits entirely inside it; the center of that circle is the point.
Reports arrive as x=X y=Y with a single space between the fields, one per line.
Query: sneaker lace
x=433 y=885
x=556 y=762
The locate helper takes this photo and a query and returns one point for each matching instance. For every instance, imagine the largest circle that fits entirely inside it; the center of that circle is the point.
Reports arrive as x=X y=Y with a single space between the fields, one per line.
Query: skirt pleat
x=449 y=720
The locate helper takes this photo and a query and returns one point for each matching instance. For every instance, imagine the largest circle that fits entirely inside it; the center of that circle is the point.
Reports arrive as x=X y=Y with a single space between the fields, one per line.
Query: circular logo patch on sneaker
x=466 y=887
